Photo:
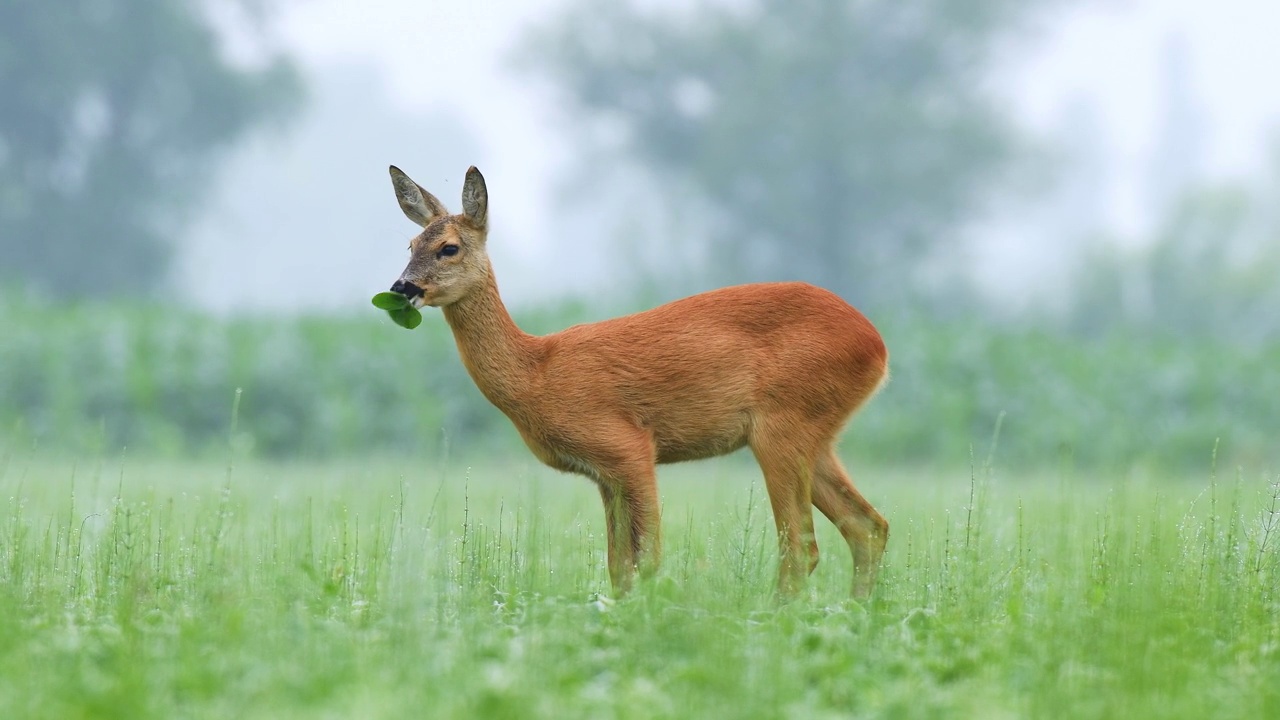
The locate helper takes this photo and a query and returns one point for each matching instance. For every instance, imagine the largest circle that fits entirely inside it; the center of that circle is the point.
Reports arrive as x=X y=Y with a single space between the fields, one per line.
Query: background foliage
x=105 y=377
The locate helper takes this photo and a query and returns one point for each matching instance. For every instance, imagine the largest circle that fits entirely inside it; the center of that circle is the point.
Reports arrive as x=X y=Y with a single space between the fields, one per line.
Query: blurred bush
x=1117 y=399
x=94 y=378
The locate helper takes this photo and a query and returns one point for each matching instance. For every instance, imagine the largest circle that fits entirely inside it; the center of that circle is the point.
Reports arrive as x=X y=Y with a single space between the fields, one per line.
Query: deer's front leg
x=617 y=524
x=632 y=517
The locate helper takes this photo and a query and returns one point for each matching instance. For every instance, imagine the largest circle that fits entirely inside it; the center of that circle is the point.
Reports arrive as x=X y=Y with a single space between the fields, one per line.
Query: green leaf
x=390 y=301
x=406 y=317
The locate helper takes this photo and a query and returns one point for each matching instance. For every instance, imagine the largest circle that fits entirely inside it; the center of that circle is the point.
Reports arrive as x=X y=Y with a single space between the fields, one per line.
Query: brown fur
x=777 y=367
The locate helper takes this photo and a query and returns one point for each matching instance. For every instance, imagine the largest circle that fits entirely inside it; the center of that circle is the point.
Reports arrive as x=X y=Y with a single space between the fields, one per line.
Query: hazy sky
x=453 y=59
x=1111 y=50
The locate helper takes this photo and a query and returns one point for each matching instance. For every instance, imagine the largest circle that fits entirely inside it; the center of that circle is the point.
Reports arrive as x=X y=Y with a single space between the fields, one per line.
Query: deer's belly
x=559 y=457
x=706 y=448
x=582 y=446
x=699 y=438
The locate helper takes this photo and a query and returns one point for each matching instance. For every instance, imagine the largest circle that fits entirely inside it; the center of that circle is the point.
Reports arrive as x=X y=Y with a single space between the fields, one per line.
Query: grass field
x=391 y=589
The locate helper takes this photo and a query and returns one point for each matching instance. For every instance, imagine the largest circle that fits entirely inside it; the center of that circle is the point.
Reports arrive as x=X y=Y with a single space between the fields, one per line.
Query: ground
x=449 y=588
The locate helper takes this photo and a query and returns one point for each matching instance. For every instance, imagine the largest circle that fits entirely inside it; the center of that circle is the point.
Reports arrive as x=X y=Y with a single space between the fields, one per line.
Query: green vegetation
x=395 y=589
x=400 y=310
x=162 y=382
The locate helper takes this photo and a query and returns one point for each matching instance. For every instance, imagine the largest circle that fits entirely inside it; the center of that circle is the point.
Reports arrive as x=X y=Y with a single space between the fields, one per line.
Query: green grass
x=430 y=589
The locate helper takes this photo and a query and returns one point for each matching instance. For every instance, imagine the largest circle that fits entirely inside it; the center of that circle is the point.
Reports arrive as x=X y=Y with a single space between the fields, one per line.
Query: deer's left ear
x=475 y=199
x=418 y=205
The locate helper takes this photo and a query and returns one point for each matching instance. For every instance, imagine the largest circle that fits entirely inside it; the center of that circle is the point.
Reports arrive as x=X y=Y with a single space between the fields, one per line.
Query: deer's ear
x=475 y=199
x=418 y=205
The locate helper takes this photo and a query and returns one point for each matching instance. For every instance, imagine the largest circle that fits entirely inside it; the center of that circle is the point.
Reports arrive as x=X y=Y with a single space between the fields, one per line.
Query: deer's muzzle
x=407 y=289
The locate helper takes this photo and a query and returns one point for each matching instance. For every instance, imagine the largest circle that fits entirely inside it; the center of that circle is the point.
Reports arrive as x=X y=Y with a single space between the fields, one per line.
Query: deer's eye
x=448 y=250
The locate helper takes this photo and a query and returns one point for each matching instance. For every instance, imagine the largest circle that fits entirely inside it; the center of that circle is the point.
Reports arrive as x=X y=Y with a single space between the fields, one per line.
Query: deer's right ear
x=475 y=199
x=418 y=205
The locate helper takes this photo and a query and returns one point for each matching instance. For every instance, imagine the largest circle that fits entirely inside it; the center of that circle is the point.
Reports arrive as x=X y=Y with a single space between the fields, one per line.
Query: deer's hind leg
x=864 y=529
x=788 y=476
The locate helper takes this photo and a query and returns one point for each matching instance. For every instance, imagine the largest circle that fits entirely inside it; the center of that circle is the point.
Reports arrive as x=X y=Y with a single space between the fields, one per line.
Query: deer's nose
x=407 y=289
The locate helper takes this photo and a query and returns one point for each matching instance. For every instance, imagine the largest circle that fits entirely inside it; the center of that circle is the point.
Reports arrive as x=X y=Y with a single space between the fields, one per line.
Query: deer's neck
x=500 y=358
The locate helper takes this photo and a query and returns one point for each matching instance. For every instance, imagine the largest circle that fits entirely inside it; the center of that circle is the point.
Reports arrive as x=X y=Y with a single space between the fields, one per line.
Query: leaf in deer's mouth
x=406 y=317
x=402 y=312
x=390 y=301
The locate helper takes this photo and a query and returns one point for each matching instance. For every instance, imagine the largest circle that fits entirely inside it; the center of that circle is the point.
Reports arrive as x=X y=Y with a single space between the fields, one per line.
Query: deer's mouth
x=413 y=293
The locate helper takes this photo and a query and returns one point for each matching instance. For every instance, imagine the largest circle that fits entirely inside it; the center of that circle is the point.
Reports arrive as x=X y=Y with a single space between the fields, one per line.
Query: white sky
x=453 y=58
x=1110 y=51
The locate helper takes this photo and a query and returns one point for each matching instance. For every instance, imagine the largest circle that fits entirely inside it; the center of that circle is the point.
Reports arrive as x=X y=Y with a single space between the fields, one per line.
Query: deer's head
x=448 y=258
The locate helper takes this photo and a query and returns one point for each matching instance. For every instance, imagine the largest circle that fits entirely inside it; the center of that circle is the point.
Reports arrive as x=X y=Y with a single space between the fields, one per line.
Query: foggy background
x=1082 y=168
x=1131 y=103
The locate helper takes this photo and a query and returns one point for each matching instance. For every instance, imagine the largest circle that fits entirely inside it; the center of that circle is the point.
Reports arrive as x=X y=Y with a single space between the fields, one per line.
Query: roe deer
x=777 y=367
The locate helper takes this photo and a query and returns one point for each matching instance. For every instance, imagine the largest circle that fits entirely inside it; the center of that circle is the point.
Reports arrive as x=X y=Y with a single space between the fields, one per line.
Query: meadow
x=247 y=517
x=461 y=587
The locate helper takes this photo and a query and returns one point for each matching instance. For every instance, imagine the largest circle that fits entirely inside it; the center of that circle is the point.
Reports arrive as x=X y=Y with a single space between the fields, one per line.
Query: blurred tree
x=840 y=142
x=112 y=113
x=1209 y=271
